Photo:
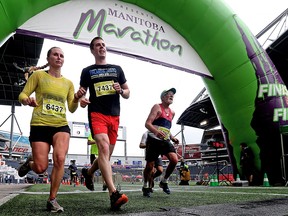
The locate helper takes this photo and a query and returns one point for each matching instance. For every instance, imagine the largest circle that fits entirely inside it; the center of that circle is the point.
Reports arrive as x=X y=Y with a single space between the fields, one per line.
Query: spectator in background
x=73 y=172
x=184 y=175
x=247 y=162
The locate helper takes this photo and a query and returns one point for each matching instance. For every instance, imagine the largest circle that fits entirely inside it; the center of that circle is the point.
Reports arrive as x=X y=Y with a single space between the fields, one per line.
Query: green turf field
x=79 y=201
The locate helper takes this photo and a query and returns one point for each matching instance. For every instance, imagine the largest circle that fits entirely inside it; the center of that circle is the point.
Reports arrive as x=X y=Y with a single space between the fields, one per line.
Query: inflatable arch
x=246 y=90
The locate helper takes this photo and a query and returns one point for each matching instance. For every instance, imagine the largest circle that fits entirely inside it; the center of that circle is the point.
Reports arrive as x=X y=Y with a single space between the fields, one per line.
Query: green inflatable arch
x=245 y=85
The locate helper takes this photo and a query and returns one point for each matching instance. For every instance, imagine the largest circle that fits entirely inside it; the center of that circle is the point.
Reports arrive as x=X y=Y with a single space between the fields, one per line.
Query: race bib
x=53 y=107
x=104 y=88
x=166 y=132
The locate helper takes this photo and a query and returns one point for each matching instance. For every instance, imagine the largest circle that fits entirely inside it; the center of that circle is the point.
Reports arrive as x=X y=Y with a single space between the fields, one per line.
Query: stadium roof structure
x=278 y=52
x=201 y=114
x=18 y=52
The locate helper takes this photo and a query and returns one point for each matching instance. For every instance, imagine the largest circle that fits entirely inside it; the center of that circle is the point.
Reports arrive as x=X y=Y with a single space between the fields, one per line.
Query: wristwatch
x=121 y=92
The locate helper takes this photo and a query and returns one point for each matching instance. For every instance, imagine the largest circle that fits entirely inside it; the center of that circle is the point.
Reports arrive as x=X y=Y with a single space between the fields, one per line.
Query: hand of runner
x=30 y=101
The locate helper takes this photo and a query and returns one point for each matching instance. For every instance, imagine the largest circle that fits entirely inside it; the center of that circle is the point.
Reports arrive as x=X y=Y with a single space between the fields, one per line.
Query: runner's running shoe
x=88 y=179
x=117 y=200
x=104 y=188
x=54 y=207
x=152 y=186
x=165 y=187
x=146 y=191
x=25 y=168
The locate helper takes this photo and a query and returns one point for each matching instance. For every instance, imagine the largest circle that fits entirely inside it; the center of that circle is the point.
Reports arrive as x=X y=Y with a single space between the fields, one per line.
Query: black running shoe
x=88 y=179
x=25 y=168
x=146 y=191
x=117 y=200
x=152 y=186
x=165 y=187
x=104 y=188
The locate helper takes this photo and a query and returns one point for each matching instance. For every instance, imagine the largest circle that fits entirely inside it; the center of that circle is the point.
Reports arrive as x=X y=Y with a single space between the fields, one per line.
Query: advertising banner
x=127 y=29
